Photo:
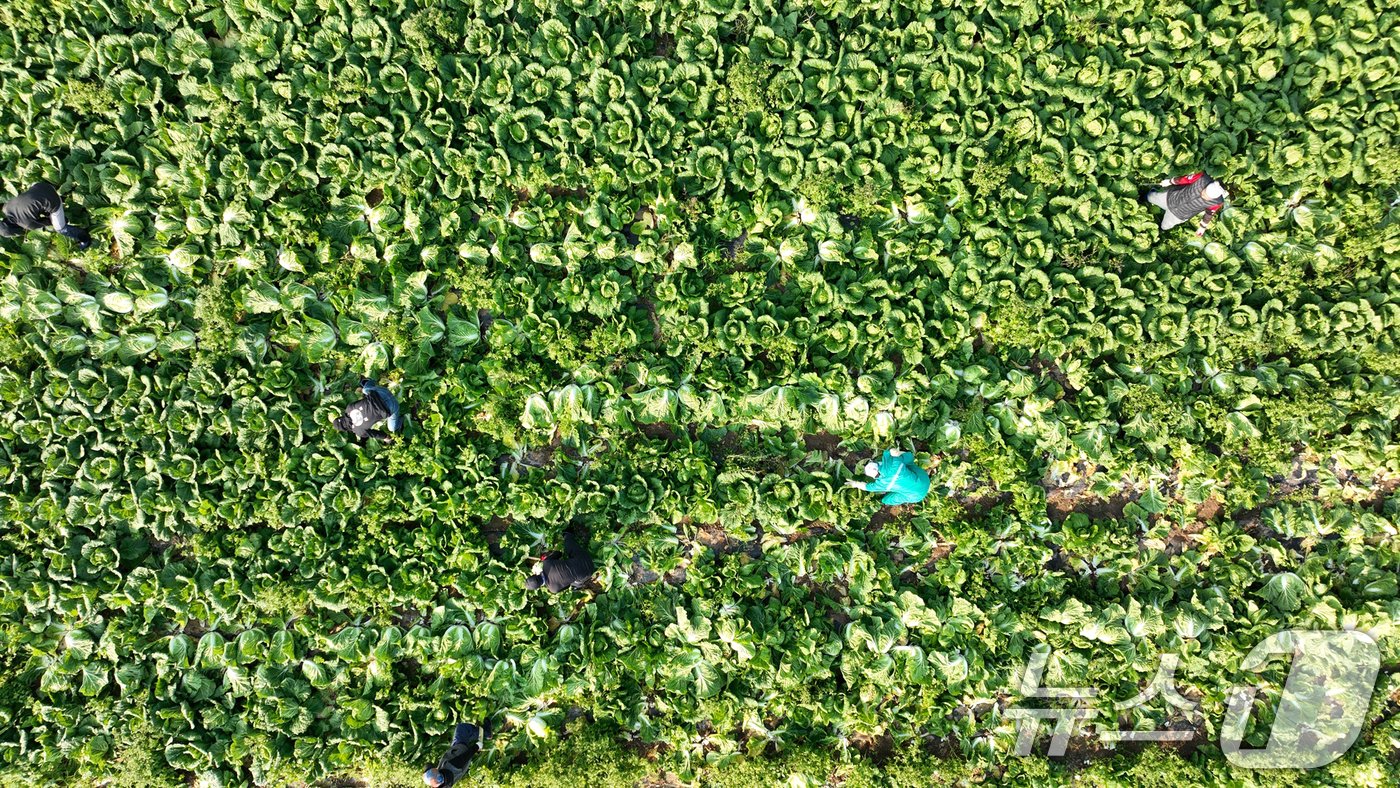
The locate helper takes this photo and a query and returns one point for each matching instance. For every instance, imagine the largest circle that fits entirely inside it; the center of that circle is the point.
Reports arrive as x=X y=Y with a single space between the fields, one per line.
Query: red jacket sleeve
x=1185 y=179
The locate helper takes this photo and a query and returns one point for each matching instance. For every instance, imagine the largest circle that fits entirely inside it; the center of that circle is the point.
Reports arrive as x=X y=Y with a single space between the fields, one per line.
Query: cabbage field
x=674 y=270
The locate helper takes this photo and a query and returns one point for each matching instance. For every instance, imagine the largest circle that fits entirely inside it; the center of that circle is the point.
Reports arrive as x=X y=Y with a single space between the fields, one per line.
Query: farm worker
x=467 y=741
x=558 y=571
x=1188 y=195
x=376 y=406
x=39 y=206
x=897 y=476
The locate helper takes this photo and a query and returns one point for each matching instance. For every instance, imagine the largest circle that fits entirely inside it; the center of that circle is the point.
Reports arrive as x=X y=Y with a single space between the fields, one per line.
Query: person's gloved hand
x=79 y=236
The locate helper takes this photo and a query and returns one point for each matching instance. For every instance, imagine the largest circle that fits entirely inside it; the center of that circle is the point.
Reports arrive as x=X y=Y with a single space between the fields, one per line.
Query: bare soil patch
x=542 y=456
x=838 y=618
x=940 y=551
x=1298 y=478
x=1388 y=712
x=643 y=749
x=1061 y=502
x=943 y=748
x=1052 y=370
x=736 y=245
x=1210 y=509
x=1250 y=523
x=1383 y=491
x=664 y=45
x=657 y=431
x=560 y=192
x=877 y=748
x=407 y=617
x=1188 y=747
x=976 y=507
x=886 y=515
x=729 y=443
x=172 y=550
x=1084 y=750
x=712 y=535
x=656 y=333
x=813 y=529
x=854 y=460
x=639 y=575
x=1179 y=538
x=823 y=442
x=492 y=531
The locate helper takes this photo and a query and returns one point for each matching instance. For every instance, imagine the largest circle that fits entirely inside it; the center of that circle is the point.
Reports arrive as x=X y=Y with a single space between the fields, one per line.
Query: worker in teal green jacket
x=897 y=476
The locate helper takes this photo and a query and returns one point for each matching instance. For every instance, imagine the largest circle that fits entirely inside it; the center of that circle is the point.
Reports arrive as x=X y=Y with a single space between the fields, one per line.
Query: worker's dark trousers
x=466 y=733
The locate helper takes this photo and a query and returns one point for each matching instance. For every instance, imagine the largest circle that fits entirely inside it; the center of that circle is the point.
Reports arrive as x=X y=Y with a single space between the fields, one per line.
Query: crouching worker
x=36 y=208
x=467 y=741
x=1186 y=196
x=897 y=476
x=377 y=405
x=558 y=571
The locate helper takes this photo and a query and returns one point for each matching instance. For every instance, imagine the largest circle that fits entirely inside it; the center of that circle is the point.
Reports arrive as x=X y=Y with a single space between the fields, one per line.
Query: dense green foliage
x=673 y=270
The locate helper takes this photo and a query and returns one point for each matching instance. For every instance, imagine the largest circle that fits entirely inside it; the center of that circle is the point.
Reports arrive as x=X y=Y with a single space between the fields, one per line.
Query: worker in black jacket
x=376 y=406
x=37 y=207
x=558 y=571
x=467 y=741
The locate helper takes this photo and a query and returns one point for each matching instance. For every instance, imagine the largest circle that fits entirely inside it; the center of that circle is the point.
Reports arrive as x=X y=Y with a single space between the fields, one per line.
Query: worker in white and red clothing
x=1189 y=195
